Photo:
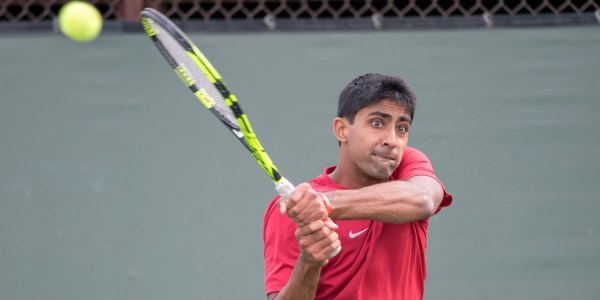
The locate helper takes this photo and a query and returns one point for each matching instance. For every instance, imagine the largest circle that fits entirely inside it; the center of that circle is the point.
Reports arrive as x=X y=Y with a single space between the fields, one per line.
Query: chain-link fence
x=376 y=12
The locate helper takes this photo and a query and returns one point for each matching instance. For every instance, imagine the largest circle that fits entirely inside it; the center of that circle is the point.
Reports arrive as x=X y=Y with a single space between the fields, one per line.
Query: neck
x=349 y=175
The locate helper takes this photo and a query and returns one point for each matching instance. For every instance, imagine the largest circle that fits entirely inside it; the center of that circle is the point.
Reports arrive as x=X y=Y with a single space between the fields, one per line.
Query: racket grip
x=285 y=189
x=335 y=252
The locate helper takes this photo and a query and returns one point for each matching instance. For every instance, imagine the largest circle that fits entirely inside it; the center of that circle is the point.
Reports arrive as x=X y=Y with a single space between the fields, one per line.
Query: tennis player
x=380 y=194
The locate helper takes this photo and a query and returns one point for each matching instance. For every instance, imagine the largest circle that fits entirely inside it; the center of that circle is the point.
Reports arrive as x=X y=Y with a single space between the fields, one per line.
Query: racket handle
x=285 y=189
x=335 y=252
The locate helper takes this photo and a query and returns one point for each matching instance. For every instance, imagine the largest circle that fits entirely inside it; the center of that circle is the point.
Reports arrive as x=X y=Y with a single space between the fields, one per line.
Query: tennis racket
x=198 y=74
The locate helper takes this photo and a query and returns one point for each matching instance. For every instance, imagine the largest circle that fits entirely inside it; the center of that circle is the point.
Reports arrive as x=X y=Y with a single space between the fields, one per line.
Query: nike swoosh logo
x=353 y=235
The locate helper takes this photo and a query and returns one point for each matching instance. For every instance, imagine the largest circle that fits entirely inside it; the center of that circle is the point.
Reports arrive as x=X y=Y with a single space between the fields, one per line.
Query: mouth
x=385 y=156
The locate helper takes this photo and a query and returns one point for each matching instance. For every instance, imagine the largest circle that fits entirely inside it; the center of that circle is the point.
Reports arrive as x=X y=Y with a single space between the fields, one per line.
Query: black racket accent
x=222 y=89
x=163 y=51
x=183 y=42
x=237 y=110
x=276 y=174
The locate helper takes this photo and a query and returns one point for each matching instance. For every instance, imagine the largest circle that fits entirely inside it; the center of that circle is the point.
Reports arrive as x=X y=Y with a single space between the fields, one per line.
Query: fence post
x=129 y=10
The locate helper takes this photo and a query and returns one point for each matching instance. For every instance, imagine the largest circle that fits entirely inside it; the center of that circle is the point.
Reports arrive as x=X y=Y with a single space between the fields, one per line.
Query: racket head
x=190 y=65
x=198 y=74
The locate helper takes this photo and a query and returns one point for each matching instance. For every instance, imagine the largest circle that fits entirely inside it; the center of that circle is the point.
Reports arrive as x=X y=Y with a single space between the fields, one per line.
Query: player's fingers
x=292 y=208
x=328 y=245
x=314 y=233
x=282 y=205
x=309 y=215
x=311 y=228
x=309 y=208
x=298 y=193
x=320 y=250
x=330 y=224
x=333 y=247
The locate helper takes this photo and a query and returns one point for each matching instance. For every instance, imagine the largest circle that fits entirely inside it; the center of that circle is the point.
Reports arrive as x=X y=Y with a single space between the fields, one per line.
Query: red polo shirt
x=377 y=261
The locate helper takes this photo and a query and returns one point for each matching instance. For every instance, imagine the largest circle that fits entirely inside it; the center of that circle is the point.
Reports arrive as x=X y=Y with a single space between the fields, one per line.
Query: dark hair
x=371 y=88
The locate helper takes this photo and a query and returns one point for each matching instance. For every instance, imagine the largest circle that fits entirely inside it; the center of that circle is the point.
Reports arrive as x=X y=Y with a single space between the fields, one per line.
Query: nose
x=389 y=138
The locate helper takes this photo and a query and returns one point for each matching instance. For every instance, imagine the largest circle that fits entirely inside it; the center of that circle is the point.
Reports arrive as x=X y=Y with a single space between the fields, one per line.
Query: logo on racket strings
x=205 y=98
x=185 y=75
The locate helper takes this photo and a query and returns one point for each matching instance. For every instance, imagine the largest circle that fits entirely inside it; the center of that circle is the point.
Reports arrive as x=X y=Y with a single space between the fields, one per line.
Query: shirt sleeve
x=416 y=163
x=280 y=248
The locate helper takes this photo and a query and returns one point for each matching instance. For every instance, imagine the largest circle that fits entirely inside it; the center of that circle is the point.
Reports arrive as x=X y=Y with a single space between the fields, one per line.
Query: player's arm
x=317 y=240
x=302 y=283
x=416 y=198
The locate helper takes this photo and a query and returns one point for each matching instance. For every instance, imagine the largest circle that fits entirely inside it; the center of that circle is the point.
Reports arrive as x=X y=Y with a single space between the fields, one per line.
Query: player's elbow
x=424 y=204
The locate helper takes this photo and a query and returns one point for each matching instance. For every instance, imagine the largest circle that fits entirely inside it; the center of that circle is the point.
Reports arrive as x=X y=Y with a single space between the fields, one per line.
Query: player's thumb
x=329 y=224
x=282 y=205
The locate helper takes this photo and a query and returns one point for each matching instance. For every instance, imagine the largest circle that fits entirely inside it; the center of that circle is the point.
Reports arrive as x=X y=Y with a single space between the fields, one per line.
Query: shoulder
x=411 y=154
x=414 y=162
x=323 y=183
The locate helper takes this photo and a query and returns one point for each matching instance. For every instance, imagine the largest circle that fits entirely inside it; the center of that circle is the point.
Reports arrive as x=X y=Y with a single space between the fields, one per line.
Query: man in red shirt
x=381 y=195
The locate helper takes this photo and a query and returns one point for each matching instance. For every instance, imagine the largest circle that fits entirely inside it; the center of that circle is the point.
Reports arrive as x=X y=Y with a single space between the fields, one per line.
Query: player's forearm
x=390 y=202
x=302 y=283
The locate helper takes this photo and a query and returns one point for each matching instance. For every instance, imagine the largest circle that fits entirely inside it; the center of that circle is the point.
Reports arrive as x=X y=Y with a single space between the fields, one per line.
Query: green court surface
x=115 y=183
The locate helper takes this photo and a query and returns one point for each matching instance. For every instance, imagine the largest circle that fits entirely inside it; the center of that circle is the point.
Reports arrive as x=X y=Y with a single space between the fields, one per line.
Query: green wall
x=114 y=185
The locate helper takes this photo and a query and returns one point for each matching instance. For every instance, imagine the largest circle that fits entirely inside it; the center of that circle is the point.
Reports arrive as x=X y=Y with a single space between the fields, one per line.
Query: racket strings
x=199 y=80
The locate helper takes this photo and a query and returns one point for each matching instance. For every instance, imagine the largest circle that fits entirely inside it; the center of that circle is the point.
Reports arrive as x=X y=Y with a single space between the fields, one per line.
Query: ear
x=340 y=129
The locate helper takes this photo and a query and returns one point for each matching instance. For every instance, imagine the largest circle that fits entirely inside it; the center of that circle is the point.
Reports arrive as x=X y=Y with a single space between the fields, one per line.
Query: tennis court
x=112 y=186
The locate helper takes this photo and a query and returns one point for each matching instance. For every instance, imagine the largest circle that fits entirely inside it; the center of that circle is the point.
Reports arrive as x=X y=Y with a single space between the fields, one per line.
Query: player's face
x=377 y=139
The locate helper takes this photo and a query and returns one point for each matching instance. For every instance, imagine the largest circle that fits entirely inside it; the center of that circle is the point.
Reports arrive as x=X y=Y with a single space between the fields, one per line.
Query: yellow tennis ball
x=80 y=21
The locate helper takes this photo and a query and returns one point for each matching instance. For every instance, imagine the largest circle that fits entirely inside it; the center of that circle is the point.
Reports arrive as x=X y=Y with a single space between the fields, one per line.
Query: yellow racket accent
x=205 y=98
x=257 y=149
x=230 y=100
x=147 y=24
x=198 y=60
x=184 y=75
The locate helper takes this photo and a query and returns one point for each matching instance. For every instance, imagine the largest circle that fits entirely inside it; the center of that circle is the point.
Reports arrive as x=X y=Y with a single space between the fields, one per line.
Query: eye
x=402 y=129
x=377 y=123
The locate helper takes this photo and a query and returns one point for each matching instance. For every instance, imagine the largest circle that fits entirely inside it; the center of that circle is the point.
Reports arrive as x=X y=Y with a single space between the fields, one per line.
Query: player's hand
x=304 y=206
x=317 y=240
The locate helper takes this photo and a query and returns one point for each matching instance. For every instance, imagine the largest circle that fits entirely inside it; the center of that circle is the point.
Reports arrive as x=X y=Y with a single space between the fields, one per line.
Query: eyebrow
x=389 y=117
